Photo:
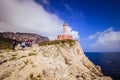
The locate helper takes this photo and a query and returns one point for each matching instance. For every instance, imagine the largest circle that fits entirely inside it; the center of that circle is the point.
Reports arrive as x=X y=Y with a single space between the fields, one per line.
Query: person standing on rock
x=13 y=45
x=29 y=43
x=23 y=45
x=33 y=43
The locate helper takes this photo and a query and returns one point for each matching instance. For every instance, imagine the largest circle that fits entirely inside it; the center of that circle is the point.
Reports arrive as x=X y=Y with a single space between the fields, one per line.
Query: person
x=23 y=45
x=33 y=43
x=29 y=43
x=13 y=45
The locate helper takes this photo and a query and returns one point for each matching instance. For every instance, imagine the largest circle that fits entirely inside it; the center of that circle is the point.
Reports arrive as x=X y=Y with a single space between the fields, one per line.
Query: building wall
x=64 y=37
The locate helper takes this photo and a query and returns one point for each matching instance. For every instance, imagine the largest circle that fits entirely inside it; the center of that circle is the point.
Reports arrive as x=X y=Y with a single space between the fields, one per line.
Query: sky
x=95 y=23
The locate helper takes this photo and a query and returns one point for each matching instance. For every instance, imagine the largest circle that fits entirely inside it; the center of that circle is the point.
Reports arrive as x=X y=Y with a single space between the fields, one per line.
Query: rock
x=98 y=67
x=23 y=36
x=0 y=61
x=53 y=61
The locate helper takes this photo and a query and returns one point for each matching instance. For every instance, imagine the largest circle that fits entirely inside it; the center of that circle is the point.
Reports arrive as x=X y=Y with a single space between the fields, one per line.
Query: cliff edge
x=50 y=60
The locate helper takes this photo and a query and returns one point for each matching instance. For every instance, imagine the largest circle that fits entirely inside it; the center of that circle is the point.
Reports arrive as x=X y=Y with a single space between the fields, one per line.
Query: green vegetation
x=26 y=62
x=13 y=58
x=14 y=54
x=0 y=51
x=33 y=53
x=23 y=56
x=1 y=56
x=45 y=53
x=33 y=65
x=71 y=73
x=70 y=42
x=38 y=77
x=5 y=43
x=31 y=76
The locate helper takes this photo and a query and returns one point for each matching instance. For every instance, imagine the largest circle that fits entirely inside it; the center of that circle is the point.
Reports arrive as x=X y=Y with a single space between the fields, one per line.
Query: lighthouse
x=65 y=35
x=65 y=28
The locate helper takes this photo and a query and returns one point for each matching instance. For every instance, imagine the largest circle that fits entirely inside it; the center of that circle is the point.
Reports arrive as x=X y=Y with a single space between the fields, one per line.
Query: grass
x=5 y=43
x=70 y=42
x=31 y=76
x=13 y=58
x=71 y=73
x=23 y=56
x=38 y=77
x=1 y=56
x=33 y=65
x=0 y=51
x=32 y=53
x=45 y=53
x=26 y=62
x=14 y=54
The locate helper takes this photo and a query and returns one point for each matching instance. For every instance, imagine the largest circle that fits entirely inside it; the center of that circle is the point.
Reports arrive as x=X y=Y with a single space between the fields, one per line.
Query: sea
x=109 y=62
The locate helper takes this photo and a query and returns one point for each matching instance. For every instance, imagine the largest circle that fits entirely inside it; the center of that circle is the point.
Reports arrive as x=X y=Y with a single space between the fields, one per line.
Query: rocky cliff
x=52 y=60
x=23 y=36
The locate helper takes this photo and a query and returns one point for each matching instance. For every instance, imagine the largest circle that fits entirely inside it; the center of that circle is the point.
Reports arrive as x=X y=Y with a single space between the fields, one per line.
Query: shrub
x=13 y=58
x=1 y=56
x=71 y=73
x=26 y=62
x=23 y=56
x=31 y=76
x=70 y=42
x=38 y=77
x=5 y=43
x=14 y=54
x=32 y=53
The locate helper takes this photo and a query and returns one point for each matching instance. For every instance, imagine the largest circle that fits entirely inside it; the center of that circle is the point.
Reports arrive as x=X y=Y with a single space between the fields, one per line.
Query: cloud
x=68 y=7
x=108 y=40
x=93 y=36
x=29 y=16
x=71 y=32
x=45 y=2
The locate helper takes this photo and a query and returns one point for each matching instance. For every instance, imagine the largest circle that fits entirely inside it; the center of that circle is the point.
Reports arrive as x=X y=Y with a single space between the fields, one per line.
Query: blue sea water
x=109 y=62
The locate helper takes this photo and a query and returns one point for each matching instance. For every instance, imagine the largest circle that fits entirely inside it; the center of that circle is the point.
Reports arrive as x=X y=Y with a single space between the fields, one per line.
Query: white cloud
x=44 y=2
x=93 y=36
x=68 y=7
x=74 y=33
x=108 y=40
x=28 y=16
